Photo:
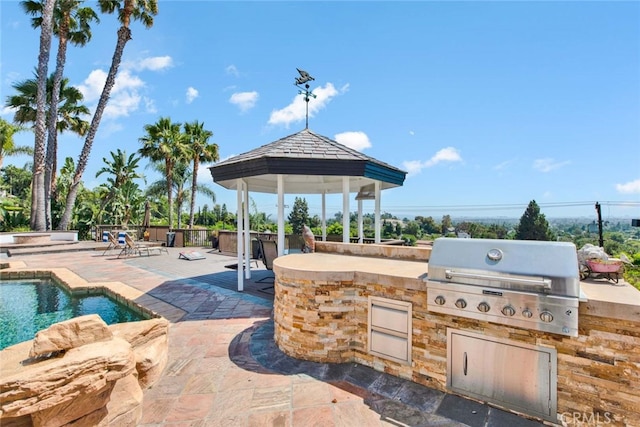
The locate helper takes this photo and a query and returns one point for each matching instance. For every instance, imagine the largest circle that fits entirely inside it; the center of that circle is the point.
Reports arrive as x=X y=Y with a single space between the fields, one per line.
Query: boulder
x=93 y=376
x=150 y=342
x=70 y=334
x=86 y=371
x=83 y=406
x=125 y=407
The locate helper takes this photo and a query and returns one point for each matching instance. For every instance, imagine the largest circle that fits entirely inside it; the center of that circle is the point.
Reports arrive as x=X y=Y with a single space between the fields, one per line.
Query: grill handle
x=545 y=283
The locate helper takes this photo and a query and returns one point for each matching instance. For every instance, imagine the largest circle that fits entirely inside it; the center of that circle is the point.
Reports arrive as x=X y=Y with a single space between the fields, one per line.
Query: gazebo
x=304 y=163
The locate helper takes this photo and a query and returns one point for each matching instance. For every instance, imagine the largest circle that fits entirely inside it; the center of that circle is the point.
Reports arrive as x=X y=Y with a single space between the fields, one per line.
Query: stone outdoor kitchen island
x=331 y=306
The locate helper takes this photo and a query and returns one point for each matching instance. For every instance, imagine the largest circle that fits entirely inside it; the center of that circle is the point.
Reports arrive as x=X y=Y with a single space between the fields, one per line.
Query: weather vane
x=303 y=80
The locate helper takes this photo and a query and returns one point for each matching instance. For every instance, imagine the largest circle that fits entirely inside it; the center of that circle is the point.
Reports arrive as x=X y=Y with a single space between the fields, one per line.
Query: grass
x=632 y=275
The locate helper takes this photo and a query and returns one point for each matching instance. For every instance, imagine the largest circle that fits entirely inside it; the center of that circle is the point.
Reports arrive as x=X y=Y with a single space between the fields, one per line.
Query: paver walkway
x=225 y=370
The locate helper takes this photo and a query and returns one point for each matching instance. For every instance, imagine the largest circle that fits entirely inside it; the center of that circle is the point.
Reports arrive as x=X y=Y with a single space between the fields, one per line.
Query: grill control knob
x=440 y=300
x=545 y=316
x=507 y=310
x=460 y=303
x=483 y=307
x=527 y=313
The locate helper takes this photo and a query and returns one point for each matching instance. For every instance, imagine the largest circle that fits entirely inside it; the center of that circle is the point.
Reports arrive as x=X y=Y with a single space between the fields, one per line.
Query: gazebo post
x=280 y=179
x=360 y=227
x=378 y=225
x=240 y=222
x=345 y=210
x=324 y=216
x=247 y=234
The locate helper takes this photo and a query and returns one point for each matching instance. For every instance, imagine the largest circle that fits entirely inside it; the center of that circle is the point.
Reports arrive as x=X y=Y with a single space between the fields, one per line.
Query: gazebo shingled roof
x=312 y=163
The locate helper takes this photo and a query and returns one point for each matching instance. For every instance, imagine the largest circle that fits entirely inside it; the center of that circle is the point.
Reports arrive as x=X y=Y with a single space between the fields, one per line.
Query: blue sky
x=487 y=105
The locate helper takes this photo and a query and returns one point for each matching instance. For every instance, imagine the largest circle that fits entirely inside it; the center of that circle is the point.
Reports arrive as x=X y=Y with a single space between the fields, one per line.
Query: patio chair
x=269 y=252
x=191 y=255
x=132 y=247
x=113 y=242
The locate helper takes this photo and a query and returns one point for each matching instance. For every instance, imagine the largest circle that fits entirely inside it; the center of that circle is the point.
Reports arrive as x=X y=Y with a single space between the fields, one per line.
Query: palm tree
x=69 y=110
x=181 y=175
x=38 y=220
x=8 y=146
x=140 y=10
x=200 y=151
x=123 y=170
x=166 y=144
x=71 y=23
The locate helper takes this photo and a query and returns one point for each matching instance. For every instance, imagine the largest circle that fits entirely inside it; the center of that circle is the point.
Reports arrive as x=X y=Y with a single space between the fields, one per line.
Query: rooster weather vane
x=303 y=80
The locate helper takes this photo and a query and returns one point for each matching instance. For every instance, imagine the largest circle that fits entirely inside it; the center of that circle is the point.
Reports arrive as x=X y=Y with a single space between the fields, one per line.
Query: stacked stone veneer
x=323 y=317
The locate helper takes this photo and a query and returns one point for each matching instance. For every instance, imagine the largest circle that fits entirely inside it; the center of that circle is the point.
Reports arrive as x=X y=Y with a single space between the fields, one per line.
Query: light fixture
x=367 y=192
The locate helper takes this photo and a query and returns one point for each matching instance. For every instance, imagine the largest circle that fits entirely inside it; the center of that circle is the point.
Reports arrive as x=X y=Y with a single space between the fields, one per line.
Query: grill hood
x=532 y=266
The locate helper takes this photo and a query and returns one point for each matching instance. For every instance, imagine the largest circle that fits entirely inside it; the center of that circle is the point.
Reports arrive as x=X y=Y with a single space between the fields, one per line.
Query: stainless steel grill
x=527 y=284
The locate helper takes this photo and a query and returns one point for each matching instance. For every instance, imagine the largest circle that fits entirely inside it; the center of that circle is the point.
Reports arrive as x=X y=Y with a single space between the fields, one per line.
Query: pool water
x=27 y=306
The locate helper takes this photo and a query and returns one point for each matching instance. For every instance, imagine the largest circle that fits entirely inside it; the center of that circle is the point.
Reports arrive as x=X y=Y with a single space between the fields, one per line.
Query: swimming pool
x=27 y=306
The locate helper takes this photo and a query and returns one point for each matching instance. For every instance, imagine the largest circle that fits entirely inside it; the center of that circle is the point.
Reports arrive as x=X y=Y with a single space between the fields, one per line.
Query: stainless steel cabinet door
x=508 y=373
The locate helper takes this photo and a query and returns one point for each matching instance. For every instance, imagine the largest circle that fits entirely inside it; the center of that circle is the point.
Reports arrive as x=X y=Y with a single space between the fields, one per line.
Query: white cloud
x=448 y=154
x=631 y=187
x=411 y=133
x=548 y=164
x=295 y=111
x=204 y=174
x=232 y=70
x=124 y=98
x=504 y=165
x=122 y=104
x=244 y=100
x=6 y=111
x=356 y=140
x=412 y=166
x=150 y=106
x=192 y=94
x=92 y=86
x=127 y=93
x=154 y=63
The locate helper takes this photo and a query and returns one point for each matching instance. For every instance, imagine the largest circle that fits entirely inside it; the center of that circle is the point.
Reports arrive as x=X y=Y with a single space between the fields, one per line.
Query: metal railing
x=200 y=237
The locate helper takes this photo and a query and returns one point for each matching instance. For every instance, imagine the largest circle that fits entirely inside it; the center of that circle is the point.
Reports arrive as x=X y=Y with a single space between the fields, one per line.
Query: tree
x=8 y=146
x=122 y=171
x=71 y=23
x=446 y=224
x=180 y=190
x=38 y=220
x=17 y=181
x=533 y=225
x=166 y=144
x=299 y=215
x=197 y=138
x=141 y=10
x=69 y=112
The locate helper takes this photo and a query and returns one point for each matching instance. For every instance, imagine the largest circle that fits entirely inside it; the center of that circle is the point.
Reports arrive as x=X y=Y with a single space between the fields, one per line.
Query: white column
x=240 y=222
x=345 y=209
x=280 y=215
x=324 y=216
x=360 y=227
x=247 y=234
x=378 y=225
